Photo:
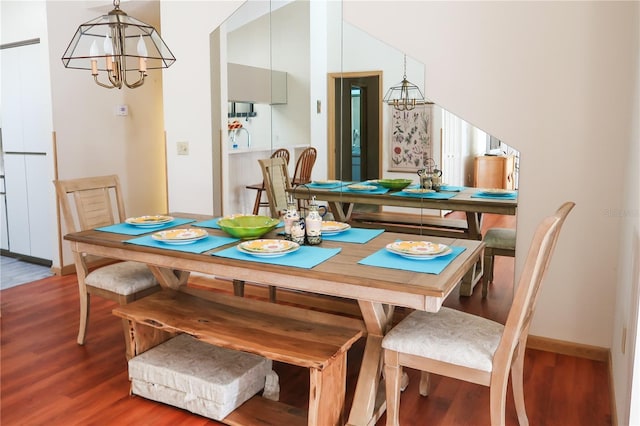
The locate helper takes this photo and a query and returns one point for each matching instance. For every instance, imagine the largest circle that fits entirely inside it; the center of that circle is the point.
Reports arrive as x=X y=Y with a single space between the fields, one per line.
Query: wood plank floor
x=46 y=378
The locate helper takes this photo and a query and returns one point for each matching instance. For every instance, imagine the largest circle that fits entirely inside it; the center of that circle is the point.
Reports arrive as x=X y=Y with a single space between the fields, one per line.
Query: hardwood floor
x=46 y=378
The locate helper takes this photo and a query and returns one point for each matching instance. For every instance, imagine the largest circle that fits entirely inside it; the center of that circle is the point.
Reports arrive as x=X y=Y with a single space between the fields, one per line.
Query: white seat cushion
x=449 y=335
x=199 y=377
x=122 y=278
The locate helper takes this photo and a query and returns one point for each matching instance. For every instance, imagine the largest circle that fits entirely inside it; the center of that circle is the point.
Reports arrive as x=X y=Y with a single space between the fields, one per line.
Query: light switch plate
x=183 y=148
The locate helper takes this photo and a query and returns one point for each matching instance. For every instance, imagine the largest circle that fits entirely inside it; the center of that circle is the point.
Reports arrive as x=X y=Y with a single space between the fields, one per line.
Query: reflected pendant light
x=405 y=95
x=117 y=44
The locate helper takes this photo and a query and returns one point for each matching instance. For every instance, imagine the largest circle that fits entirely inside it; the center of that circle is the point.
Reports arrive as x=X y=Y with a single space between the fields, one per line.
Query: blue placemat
x=323 y=185
x=452 y=188
x=213 y=223
x=432 y=195
x=384 y=259
x=200 y=246
x=354 y=235
x=495 y=197
x=378 y=190
x=126 y=229
x=306 y=257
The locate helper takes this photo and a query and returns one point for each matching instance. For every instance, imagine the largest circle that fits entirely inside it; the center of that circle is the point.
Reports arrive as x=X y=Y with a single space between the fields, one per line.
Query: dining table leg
x=341 y=211
x=368 y=401
x=474 y=223
x=169 y=278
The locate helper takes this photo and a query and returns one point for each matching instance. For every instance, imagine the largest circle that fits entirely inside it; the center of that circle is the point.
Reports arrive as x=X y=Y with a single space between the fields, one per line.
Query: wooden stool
x=499 y=242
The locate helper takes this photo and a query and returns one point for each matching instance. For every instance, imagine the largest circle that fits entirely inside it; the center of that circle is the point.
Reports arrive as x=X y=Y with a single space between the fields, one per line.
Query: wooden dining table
x=376 y=289
x=341 y=202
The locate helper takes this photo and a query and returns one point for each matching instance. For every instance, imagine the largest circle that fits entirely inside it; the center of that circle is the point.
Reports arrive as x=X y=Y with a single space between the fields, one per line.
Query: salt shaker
x=290 y=216
x=313 y=224
x=297 y=231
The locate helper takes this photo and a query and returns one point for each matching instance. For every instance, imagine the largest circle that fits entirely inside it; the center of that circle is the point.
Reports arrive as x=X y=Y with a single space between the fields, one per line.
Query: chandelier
x=405 y=95
x=118 y=45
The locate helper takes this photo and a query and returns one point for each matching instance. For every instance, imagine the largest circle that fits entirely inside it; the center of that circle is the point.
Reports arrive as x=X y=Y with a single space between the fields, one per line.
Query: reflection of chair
x=124 y=282
x=472 y=348
x=276 y=182
x=304 y=166
x=498 y=242
x=282 y=152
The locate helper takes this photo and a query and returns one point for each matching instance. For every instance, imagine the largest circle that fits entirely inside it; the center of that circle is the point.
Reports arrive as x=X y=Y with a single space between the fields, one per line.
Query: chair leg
x=393 y=374
x=487 y=272
x=517 y=383
x=272 y=293
x=425 y=382
x=84 y=315
x=256 y=203
x=498 y=400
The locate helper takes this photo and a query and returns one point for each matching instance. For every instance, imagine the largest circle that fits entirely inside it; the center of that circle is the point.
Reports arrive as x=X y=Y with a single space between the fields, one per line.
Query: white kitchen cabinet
x=30 y=224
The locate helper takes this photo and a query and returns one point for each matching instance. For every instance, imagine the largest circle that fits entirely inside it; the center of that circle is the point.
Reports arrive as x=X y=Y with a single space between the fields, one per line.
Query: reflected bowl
x=247 y=227
x=395 y=183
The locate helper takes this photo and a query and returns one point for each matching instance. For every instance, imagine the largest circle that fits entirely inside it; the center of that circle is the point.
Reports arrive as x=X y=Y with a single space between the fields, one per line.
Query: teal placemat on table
x=306 y=257
x=432 y=195
x=378 y=190
x=384 y=259
x=354 y=235
x=452 y=188
x=511 y=196
x=323 y=185
x=126 y=229
x=213 y=223
x=199 y=246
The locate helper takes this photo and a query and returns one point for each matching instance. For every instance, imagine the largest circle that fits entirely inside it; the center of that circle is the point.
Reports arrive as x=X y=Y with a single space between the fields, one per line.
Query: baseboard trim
x=595 y=353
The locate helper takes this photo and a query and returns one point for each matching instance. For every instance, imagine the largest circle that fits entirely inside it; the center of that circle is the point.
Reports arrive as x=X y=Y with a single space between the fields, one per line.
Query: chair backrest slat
x=87 y=203
x=276 y=182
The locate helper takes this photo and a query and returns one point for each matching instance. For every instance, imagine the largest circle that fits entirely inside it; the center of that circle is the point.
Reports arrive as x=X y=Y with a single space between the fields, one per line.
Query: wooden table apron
x=341 y=204
x=376 y=289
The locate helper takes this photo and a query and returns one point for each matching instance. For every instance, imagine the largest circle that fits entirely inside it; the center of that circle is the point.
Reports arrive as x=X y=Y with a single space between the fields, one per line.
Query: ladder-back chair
x=259 y=187
x=471 y=348
x=88 y=203
x=276 y=183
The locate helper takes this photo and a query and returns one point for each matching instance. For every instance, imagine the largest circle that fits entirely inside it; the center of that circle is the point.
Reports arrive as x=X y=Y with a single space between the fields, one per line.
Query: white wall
x=559 y=82
x=91 y=139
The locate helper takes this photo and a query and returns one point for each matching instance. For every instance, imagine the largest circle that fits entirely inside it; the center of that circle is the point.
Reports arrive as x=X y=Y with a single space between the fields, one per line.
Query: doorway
x=355 y=126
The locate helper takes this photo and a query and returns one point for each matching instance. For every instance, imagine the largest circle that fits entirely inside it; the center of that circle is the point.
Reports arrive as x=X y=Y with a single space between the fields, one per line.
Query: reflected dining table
x=376 y=287
x=472 y=201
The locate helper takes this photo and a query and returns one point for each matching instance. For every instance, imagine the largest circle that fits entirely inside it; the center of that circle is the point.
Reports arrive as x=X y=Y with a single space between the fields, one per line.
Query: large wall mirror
x=313 y=79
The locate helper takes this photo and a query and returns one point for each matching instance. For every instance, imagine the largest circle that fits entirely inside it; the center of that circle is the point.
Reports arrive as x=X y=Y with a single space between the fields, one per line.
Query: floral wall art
x=411 y=141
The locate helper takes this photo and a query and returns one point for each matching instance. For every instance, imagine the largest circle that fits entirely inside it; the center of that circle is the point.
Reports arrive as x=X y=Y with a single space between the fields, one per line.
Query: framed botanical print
x=411 y=138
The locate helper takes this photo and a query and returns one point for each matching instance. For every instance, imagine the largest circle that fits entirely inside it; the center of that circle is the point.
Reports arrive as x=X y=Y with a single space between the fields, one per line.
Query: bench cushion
x=196 y=376
x=501 y=238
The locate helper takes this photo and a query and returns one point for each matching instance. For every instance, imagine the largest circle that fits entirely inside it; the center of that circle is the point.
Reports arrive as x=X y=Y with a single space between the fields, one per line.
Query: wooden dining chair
x=304 y=166
x=88 y=203
x=498 y=242
x=275 y=175
x=259 y=187
x=471 y=348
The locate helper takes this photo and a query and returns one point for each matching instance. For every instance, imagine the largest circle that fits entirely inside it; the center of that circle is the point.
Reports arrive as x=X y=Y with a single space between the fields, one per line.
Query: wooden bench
x=316 y=340
x=412 y=224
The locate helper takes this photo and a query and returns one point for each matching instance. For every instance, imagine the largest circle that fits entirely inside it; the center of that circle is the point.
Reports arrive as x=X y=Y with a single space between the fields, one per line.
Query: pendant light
x=405 y=95
x=118 y=45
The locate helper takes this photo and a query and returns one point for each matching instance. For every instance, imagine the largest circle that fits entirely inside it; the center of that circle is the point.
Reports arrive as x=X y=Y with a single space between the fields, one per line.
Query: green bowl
x=395 y=183
x=248 y=227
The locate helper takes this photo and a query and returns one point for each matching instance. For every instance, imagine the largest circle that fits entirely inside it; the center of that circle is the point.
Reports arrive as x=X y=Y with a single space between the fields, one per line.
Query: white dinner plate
x=149 y=221
x=268 y=248
x=332 y=227
x=180 y=236
x=421 y=256
x=362 y=188
x=417 y=248
x=417 y=190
